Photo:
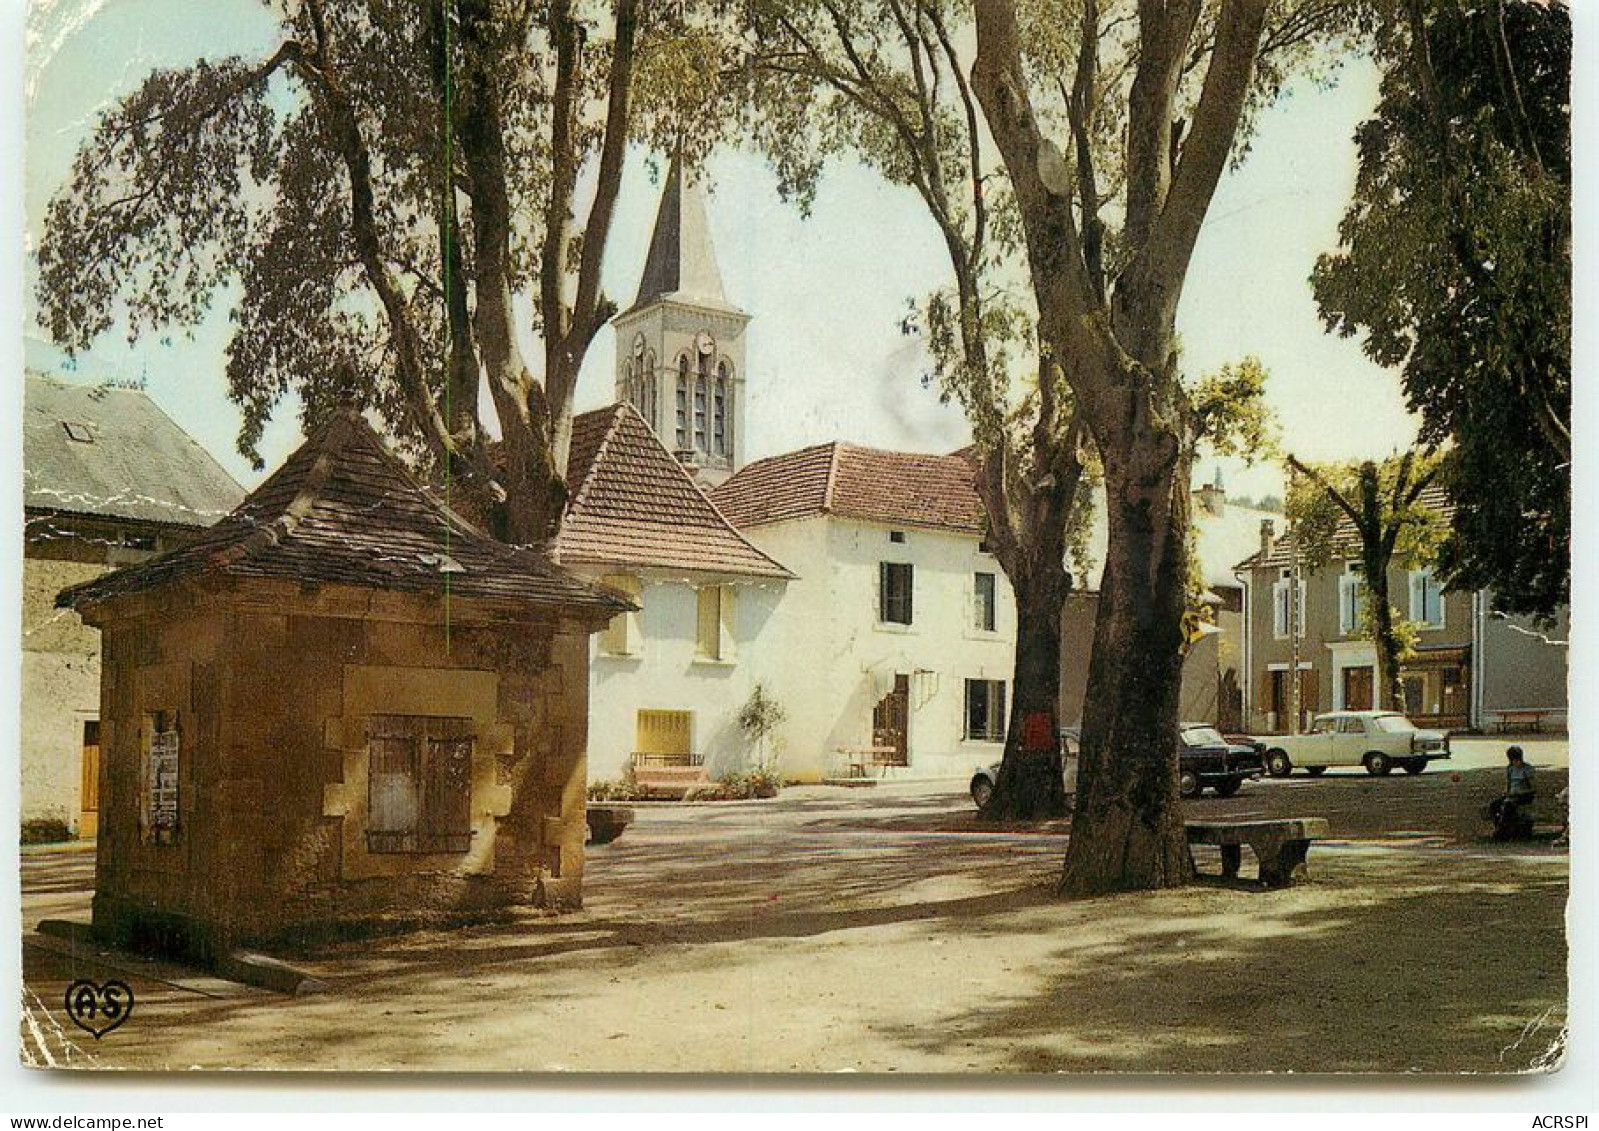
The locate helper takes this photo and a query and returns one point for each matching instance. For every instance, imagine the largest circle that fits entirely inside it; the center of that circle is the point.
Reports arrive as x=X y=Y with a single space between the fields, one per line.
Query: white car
x=1377 y=740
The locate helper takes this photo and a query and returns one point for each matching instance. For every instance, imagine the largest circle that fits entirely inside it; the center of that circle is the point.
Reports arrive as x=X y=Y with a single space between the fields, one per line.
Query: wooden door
x=1358 y=688
x=89 y=795
x=891 y=724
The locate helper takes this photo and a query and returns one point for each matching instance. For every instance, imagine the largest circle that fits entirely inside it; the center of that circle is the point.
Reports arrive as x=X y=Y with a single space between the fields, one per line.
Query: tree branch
x=1209 y=143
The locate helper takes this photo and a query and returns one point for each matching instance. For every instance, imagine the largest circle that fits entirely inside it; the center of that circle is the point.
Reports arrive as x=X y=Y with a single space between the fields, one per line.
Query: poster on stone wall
x=162 y=817
x=794 y=539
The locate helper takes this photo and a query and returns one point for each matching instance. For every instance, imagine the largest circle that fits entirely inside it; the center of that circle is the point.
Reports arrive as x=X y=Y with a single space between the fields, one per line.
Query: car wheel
x=1315 y=771
x=1188 y=784
x=1415 y=765
x=1227 y=788
x=1277 y=763
x=1378 y=764
x=982 y=792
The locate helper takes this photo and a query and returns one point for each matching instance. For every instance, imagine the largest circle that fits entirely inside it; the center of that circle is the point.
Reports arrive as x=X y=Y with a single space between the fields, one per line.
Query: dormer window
x=78 y=433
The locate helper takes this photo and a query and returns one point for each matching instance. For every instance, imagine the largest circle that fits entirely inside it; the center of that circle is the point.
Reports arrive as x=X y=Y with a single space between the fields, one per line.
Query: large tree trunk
x=1030 y=785
x=1127 y=824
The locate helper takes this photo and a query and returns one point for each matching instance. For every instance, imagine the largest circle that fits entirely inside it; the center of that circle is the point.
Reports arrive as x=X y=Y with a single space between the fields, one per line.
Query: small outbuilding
x=342 y=705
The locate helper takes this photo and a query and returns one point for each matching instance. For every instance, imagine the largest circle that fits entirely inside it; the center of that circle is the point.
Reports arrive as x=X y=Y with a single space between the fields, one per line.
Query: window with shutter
x=622 y=636
x=713 y=636
x=985 y=710
x=984 y=613
x=419 y=783
x=1426 y=599
x=682 y=403
x=895 y=584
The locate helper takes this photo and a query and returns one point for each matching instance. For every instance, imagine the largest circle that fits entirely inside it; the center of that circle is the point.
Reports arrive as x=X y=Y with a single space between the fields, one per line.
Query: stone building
x=341 y=704
x=108 y=480
x=680 y=346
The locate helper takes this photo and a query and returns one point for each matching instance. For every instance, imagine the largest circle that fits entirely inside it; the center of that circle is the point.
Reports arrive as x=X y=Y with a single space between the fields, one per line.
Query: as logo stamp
x=99 y=1008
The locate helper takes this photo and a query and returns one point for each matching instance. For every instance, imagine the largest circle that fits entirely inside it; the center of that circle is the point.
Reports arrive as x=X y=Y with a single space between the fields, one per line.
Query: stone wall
x=273 y=794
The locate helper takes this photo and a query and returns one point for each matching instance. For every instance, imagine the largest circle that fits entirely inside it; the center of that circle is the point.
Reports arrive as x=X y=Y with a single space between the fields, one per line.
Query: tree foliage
x=892 y=82
x=368 y=199
x=1378 y=513
x=1455 y=264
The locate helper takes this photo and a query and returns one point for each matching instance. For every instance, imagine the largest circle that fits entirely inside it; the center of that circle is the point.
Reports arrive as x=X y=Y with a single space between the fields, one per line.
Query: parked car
x=1206 y=761
x=1377 y=740
x=982 y=783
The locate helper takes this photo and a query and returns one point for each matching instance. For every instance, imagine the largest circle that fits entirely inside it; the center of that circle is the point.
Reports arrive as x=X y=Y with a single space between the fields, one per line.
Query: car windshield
x=1203 y=736
x=1392 y=724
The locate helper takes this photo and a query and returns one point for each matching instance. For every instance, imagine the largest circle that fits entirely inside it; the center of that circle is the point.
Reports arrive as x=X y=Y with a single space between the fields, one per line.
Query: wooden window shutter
x=727 y=601
x=709 y=623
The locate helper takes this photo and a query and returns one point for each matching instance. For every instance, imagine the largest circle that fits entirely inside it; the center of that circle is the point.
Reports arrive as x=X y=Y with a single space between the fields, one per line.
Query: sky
x=826 y=356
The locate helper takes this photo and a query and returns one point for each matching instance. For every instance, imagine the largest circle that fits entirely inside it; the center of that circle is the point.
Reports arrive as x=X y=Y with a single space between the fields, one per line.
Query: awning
x=1438 y=656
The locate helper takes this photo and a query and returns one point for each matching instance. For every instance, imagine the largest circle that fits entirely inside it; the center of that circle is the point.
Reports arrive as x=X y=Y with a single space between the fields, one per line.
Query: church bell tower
x=680 y=346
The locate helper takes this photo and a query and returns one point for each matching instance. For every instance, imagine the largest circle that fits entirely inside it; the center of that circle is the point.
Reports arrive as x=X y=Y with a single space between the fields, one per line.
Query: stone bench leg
x=1232 y=855
x=1283 y=863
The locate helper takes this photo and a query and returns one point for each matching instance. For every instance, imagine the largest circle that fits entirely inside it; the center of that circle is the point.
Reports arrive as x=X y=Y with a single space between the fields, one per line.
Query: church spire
x=681 y=261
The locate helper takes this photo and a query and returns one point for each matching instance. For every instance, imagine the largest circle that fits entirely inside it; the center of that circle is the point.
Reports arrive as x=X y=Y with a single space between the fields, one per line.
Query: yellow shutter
x=708 y=633
x=621 y=636
x=728 y=605
x=664 y=734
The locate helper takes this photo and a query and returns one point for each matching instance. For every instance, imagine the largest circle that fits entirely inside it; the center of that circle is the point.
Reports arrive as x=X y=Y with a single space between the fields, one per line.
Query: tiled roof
x=894 y=488
x=633 y=503
x=1347 y=543
x=344 y=510
x=109 y=452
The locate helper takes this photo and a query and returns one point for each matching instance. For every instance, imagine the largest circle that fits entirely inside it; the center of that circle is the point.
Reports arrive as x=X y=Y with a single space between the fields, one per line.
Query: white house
x=850 y=582
x=899 y=630
x=665 y=683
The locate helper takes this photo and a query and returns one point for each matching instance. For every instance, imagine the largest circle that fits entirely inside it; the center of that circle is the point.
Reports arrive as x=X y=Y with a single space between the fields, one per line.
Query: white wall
x=60 y=690
x=666 y=674
x=838 y=660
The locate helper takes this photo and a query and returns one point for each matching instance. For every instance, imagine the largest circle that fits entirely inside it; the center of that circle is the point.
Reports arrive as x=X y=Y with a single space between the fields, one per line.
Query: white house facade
x=899 y=630
x=666 y=683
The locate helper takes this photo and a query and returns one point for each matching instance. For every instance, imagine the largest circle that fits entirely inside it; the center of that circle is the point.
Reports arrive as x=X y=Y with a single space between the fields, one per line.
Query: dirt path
x=888 y=931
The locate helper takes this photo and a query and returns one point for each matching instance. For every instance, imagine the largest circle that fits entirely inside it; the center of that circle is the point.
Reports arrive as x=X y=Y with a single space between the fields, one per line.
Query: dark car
x=1209 y=761
x=1206 y=760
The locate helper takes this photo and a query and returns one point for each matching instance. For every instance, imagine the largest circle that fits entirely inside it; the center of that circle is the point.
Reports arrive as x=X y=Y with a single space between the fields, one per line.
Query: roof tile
x=344 y=510
x=893 y=488
x=633 y=503
x=121 y=458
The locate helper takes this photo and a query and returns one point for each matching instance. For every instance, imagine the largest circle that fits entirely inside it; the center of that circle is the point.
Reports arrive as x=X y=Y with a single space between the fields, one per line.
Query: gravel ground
x=888 y=930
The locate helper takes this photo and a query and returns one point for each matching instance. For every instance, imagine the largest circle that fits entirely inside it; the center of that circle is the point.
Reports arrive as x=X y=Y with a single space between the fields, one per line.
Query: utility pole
x=1294 y=614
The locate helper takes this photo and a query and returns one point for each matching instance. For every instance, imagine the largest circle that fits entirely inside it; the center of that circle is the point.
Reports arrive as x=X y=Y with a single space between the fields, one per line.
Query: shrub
x=45 y=830
x=625 y=789
x=760 y=782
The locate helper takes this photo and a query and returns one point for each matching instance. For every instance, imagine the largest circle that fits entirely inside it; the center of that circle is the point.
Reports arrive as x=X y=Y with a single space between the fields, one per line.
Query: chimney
x=1268 y=535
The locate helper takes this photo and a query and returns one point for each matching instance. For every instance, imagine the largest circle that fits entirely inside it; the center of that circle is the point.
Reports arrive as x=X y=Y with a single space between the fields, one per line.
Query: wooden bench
x=1279 y=846
x=1531 y=719
x=858 y=762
